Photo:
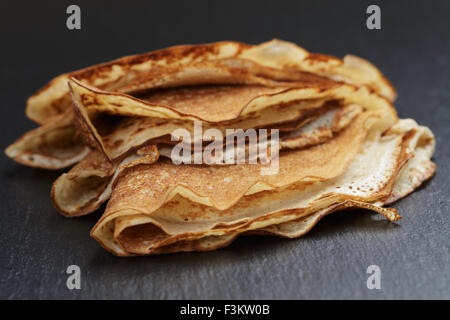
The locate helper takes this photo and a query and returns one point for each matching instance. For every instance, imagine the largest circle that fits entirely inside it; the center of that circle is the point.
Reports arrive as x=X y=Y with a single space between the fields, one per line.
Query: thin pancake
x=160 y=119
x=271 y=64
x=220 y=188
x=418 y=169
x=88 y=184
x=220 y=62
x=54 y=145
x=140 y=229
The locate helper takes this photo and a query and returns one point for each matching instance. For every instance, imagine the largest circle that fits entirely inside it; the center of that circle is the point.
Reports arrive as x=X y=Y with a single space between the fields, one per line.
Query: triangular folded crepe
x=412 y=174
x=156 y=208
x=220 y=62
x=340 y=144
x=271 y=64
x=87 y=185
x=306 y=113
x=55 y=145
x=137 y=122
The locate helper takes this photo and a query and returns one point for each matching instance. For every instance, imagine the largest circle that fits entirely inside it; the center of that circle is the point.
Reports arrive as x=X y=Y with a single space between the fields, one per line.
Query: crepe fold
x=339 y=144
x=271 y=64
x=165 y=208
x=88 y=184
x=55 y=145
x=220 y=62
x=306 y=113
x=139 y=121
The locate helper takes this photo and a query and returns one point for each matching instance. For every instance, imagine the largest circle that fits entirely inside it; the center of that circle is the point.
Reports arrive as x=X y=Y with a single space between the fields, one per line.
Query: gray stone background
x=37 y=244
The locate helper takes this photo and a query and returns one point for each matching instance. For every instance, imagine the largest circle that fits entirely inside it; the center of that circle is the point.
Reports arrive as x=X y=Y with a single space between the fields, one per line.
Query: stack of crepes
x=341 y=144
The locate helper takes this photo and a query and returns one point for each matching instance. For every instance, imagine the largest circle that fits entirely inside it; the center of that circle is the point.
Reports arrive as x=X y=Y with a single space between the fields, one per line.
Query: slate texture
x=37 y=244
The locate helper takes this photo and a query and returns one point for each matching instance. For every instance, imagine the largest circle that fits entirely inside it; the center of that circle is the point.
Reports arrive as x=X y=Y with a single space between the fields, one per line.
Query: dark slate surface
x=37 y=244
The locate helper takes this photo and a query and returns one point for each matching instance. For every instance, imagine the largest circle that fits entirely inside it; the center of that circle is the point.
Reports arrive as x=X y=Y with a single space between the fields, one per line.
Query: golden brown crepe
x=88 y=184
x=165 y=208
x=341 y=144
x=220 y=63
x=138 y=121
x=272 y=64
x=55 y=145
x=152 y=118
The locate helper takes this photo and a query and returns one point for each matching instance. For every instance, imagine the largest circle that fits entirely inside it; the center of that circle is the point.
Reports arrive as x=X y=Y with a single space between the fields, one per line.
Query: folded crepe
x=134 y=122
x=88 y=184
x=272 y=64
x=220 y=62
x=340 y=144
x=163 y=207
x=306 y=113
x=54 y=145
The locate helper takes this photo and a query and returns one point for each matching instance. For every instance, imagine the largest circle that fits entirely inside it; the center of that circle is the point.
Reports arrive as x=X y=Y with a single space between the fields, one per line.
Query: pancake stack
x=339 y=144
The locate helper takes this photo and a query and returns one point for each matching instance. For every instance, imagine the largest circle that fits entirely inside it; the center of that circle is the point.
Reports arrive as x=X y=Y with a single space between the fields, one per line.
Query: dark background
x=37 y=244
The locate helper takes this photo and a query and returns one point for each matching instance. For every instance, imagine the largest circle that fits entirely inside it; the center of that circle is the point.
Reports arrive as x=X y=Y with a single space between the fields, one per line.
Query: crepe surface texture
x=339 y=144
